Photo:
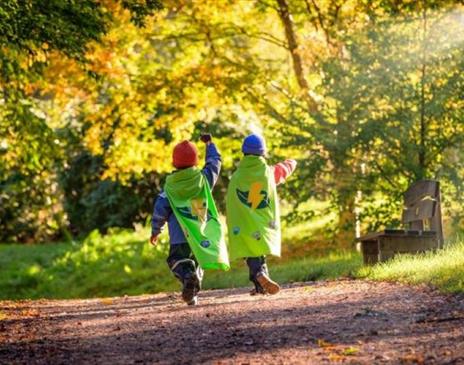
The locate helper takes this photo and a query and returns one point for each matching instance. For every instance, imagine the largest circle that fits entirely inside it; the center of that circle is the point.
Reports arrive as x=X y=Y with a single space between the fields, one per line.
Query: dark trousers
x=256 y=265
x=182 y=262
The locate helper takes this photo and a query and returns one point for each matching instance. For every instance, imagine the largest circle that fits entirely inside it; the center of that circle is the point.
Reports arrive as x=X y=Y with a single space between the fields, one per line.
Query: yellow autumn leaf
x=350 y=351
x=106 y=301
x=336 y=357
x=324 y=344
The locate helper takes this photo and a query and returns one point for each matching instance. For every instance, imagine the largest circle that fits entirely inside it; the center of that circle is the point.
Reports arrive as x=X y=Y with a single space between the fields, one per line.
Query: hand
x=206 y=138
x=154 y=240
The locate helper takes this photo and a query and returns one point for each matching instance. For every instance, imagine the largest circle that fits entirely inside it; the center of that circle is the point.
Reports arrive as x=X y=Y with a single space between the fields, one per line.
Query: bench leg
x=370 y=252
x=385 y=255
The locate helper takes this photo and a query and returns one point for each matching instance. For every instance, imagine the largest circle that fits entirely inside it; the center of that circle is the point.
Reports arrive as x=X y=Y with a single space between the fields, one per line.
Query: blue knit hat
x=254 y=145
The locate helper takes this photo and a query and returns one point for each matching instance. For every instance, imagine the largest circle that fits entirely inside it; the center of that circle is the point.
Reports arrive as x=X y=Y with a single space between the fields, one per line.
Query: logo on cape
x=198 y=211
x=255 y=198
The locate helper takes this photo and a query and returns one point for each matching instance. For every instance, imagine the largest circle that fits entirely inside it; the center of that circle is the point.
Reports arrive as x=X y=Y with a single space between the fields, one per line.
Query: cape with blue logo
x=190 y=198
x=253 y=218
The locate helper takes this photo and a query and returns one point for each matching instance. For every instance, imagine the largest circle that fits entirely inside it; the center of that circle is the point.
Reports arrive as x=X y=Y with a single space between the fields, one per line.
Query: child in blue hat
x=253 y=213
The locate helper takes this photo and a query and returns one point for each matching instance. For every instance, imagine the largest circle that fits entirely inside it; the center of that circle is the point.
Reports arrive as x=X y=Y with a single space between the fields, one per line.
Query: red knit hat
x=185 y=155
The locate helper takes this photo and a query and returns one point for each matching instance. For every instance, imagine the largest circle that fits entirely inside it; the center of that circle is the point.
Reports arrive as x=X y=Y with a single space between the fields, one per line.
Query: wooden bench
x=423 y=226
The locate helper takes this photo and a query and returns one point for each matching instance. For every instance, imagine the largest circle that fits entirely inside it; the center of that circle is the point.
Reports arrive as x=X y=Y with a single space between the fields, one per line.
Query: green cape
x=190 y=198
x=253 y=218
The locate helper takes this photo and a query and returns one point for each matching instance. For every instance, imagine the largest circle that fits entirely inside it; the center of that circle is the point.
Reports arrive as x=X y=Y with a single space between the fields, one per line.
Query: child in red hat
x=185 y=155
x=181 y=260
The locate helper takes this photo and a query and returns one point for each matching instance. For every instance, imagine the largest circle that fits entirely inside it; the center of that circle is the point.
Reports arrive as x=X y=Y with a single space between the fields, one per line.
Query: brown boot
x=267 y=283
x=190 y=288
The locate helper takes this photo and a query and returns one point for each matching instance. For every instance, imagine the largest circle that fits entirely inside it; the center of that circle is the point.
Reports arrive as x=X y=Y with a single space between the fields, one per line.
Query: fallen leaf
x=336 y=357
x=413 y=359
x=324 y=344
x=106 y=301
x=350 y=351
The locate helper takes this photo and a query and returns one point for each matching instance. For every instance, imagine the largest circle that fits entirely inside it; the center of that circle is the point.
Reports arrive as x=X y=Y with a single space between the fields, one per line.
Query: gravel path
x=345 y=321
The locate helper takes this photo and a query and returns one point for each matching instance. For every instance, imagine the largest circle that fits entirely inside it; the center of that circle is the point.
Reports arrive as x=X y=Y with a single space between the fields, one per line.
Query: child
x=253 y=218
x=196 y=235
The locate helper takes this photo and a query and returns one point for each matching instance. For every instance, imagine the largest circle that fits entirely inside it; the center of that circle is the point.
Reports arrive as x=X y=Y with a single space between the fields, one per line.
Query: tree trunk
x=343 y=174
x=346 y=201
x=423 y=128
x=346 y=234
x=285 y=17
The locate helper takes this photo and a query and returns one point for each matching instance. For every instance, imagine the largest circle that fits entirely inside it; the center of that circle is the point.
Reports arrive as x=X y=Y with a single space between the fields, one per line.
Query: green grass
x=311 y=231
x=124 y=263
x=331 y=266
x=443 y=269
x=116 y=264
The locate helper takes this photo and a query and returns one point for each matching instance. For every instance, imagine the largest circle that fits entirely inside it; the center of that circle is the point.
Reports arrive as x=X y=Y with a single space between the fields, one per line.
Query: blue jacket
x=162 y=211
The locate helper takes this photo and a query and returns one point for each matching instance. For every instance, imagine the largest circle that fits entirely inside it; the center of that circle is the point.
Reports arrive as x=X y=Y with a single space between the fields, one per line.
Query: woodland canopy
x=368 y=96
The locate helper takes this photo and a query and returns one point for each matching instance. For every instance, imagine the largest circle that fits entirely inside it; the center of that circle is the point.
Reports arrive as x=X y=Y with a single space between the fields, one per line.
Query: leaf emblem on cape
x=199 y=209
x=186 y=212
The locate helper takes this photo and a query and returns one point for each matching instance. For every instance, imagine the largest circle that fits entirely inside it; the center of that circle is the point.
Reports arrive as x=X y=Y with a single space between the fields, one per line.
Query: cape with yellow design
x=253 y=218
x=190 y=198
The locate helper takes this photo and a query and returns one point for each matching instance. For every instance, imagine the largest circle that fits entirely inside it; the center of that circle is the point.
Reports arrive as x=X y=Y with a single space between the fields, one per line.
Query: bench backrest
x=422 y=204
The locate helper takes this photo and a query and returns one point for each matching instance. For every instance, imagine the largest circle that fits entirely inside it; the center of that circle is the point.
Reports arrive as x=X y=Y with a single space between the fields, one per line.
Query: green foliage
x=383 y=121
x=63 y=25
x=93 y=203
x=28 y=191
x=31 y=145
x=443 y=269
x=140 y=9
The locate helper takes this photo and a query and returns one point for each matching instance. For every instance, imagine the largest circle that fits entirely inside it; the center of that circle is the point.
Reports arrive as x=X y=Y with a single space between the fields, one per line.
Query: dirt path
x=357 y=322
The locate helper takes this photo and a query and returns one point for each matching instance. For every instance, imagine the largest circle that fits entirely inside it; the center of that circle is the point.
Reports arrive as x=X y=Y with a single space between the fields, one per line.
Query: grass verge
x=330 y=266
x=124 y=263
x=443 y=269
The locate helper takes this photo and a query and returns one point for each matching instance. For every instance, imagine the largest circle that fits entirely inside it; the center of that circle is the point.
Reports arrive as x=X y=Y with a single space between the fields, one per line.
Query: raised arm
x=283 y=170
x=212 y=161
